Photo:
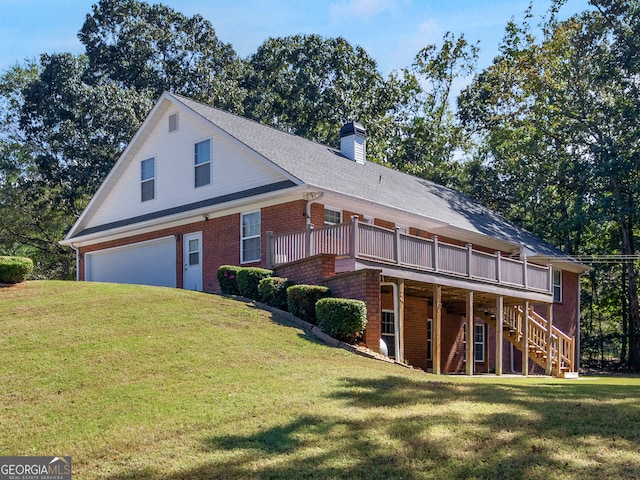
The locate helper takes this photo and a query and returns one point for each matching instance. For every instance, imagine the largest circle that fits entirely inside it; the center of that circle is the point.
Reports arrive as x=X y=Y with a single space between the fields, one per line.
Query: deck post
x=469 y=255
x=400 y=355
x=548 y=370
x=308 y=239
x=499 y=267
x=396 y=245
x=437 y=337
x=354 y=243
x=269 y=249
x=471 y=335
x=499 y=332
x=525 y=339
x=525 y=280
x=435 y=253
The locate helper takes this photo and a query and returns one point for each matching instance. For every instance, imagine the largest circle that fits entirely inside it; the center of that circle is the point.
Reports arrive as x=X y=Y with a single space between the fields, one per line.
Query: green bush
x=248 y=279
x=15 y=269
x=228 y=279
x=342 y=318
x=273 y=291
x=301 y=300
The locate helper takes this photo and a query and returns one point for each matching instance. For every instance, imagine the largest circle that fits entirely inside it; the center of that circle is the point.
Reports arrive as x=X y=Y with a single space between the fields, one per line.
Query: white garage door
x=146 y=263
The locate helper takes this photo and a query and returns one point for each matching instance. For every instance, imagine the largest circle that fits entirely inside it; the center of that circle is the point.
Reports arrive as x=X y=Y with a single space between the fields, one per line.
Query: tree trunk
x=626 y=232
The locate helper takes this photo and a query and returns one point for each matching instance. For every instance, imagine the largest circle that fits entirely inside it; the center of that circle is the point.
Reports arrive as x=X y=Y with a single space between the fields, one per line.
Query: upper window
x=173 y=122
x=557 y=285
x=203 y=163
x=148 y=179
x=250 y=237
x=332 y=217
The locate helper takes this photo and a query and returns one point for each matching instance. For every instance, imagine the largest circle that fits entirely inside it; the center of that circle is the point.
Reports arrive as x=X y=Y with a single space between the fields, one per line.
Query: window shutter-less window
x=148 y=179
x=203 y=163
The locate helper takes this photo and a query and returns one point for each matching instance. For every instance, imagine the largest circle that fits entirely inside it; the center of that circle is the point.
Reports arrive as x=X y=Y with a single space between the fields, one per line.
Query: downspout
x=77 y=250
x=512 y=366
x=311 y=197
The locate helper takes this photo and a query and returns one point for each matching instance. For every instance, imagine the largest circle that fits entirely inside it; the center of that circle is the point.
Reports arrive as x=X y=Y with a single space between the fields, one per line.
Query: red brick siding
x=565 y=313
x=416 y=312
x=311 y=271
x=317 y=214
x=362 y=285
x=384 y=223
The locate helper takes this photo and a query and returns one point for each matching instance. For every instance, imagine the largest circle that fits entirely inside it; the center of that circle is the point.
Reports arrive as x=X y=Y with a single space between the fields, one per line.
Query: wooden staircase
x=555 y=357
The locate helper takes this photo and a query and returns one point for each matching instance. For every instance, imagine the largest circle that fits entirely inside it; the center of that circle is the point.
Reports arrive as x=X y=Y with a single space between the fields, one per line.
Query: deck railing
x=365 y=241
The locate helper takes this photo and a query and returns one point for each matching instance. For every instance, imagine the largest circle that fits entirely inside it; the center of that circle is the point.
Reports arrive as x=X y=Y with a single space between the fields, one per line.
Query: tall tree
x=310 y=85
x=559 y=120
x=431 y=135
x=30 y=220
x=76 y=131
x=152 y=48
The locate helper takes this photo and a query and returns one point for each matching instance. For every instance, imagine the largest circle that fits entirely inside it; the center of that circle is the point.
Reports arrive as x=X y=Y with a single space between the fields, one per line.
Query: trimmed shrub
x=228 y=279
x=273 y=291
x=301 y=300
x=342 y=318
x=15 y=269
x=248 y=279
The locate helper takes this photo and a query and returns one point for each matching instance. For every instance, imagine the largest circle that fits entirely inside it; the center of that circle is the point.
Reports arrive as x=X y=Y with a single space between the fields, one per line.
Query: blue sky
x=391 y=31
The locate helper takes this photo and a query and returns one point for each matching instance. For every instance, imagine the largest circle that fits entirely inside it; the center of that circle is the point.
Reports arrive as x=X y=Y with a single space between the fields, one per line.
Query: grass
x=141 y=382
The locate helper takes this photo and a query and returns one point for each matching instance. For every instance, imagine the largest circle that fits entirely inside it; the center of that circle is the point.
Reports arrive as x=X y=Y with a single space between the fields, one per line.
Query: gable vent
x=353 y=142
x=173 y=122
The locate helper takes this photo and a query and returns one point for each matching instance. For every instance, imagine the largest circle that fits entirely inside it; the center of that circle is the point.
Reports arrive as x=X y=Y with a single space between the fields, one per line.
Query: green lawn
x=138 y=382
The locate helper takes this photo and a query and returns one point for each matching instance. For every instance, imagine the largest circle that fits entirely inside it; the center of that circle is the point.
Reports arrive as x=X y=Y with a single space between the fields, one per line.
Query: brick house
x=444 y=279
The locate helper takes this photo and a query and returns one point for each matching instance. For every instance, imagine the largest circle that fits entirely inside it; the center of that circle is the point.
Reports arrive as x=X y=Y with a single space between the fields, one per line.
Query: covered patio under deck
x=453 y=288
x=430 y=322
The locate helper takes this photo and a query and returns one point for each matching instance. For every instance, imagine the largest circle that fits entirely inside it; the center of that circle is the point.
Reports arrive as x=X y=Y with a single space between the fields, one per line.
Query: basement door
x=192 y=259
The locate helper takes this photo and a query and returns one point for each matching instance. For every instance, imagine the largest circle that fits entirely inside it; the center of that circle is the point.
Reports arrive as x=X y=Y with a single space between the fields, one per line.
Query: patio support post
x=499 y=332
x=437 y=321
x=548 y=370
x=525 y=339
x=354 y=243
x=401 y=319
x=434 y=260
x=471 y=335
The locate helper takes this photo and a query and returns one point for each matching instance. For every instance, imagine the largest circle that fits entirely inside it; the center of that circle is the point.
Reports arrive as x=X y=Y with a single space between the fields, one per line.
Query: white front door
x=192 y=260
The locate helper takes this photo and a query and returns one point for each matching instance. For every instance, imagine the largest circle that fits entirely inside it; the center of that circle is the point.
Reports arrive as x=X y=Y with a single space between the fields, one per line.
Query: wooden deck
x=364 y=241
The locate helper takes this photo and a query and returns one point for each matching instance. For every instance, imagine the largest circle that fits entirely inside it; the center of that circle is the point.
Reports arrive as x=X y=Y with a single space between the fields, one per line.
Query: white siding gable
x=234 y=168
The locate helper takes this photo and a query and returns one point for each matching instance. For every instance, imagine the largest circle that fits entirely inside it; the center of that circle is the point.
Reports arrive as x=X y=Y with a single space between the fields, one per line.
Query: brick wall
x=416 y=313
x=362 y=285
x=311 y=271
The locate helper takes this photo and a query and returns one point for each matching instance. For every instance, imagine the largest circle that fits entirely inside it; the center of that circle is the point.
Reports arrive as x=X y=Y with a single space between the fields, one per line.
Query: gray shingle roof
x=325 y=167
